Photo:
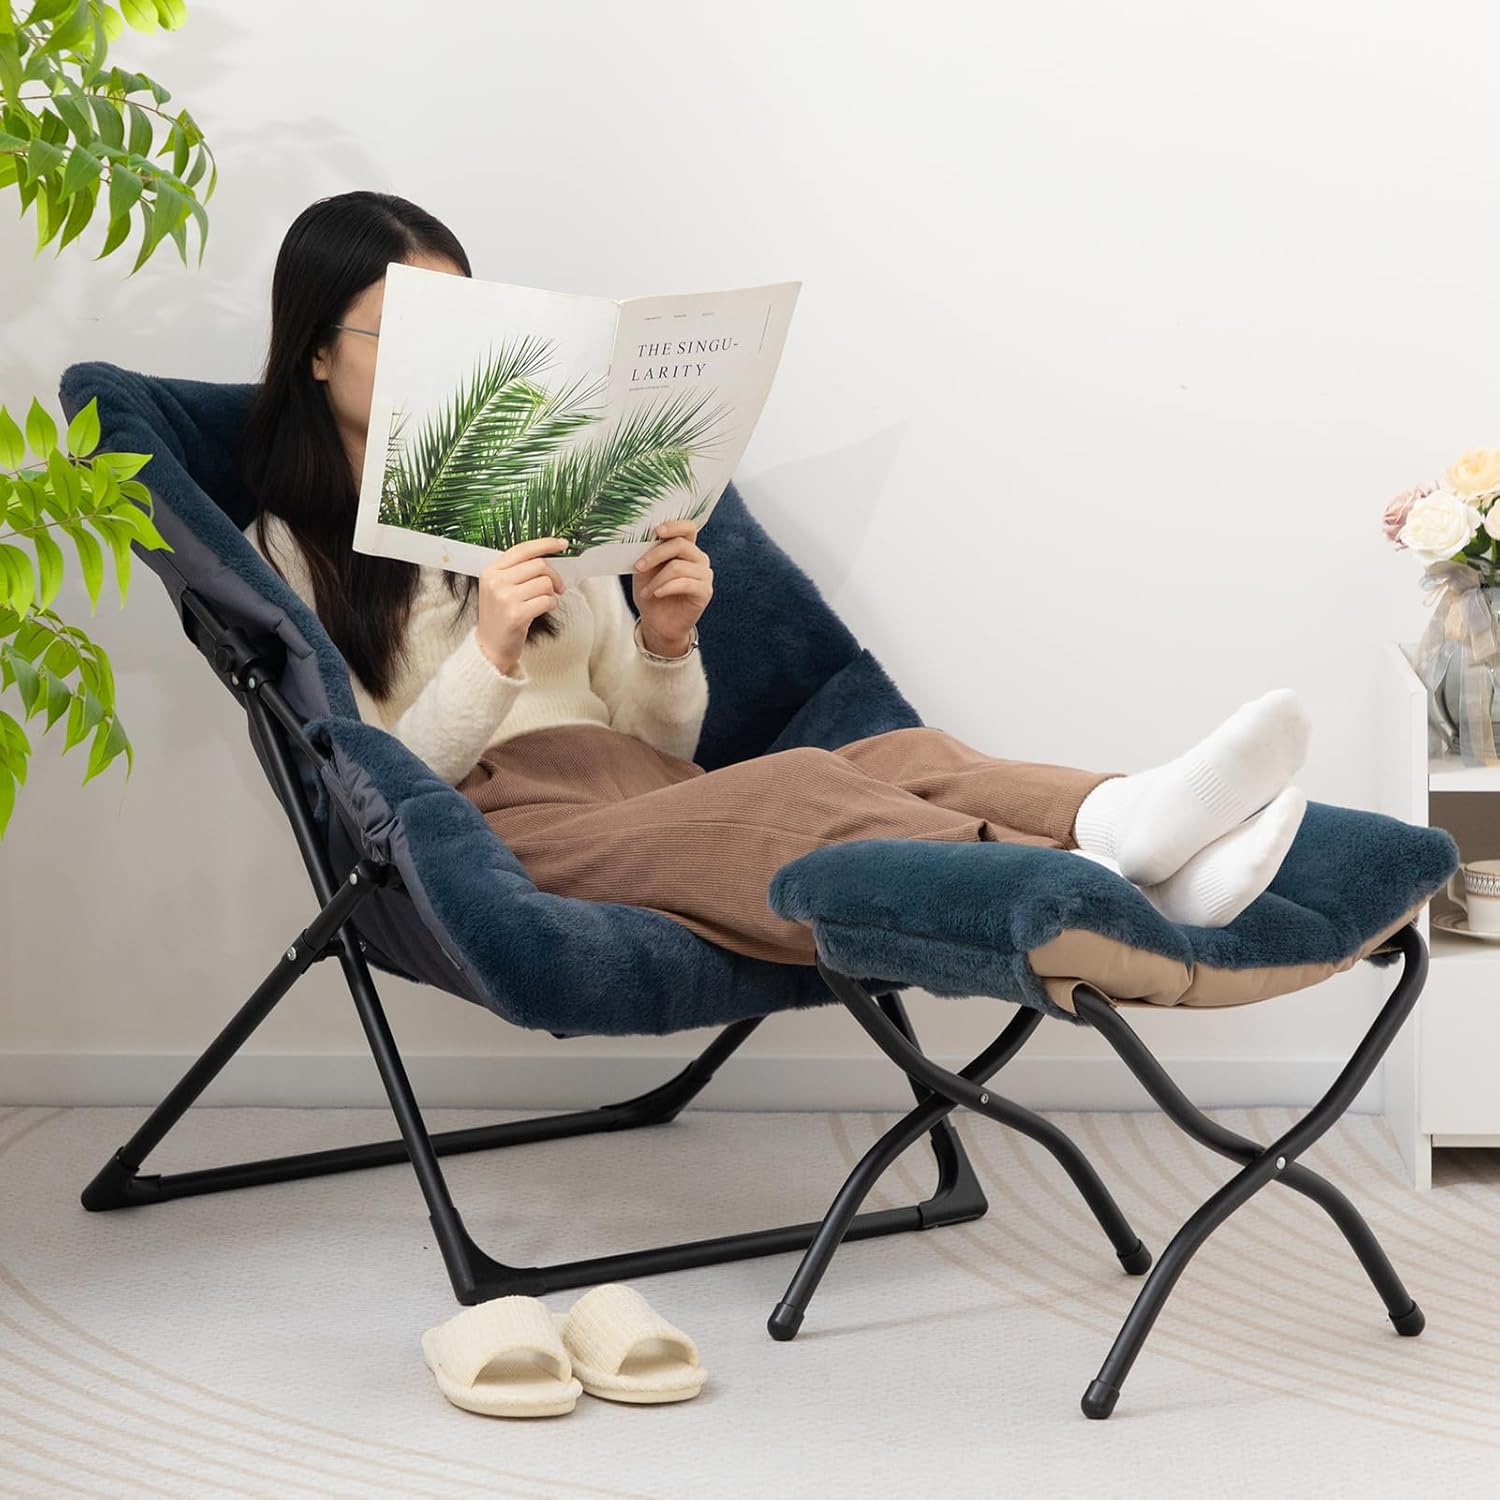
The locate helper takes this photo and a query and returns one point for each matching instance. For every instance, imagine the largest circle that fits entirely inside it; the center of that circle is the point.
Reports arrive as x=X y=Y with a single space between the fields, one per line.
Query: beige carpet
x=265 y=1343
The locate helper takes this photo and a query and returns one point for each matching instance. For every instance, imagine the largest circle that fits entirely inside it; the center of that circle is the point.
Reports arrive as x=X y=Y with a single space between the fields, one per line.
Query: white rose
x=1440 y=524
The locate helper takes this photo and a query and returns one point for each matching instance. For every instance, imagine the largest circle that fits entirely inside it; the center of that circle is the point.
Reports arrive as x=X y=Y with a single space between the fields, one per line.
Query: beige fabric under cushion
x=1126 y=975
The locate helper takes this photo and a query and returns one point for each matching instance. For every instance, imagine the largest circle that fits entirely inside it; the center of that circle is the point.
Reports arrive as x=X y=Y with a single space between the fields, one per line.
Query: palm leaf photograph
x=595 y=492
x=481 y=446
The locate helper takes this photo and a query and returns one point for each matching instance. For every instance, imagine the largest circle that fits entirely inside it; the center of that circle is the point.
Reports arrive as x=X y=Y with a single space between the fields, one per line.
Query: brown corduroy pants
x=603 y=816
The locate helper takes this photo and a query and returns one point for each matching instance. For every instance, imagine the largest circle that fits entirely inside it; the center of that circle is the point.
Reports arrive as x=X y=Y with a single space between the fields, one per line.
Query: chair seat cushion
x=1030 y=924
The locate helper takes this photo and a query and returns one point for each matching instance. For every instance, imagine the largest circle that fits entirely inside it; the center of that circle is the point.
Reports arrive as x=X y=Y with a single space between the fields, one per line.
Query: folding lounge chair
x=410 y=880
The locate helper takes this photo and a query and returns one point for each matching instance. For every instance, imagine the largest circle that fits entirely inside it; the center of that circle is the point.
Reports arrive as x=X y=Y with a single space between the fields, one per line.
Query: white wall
x=1120 y=322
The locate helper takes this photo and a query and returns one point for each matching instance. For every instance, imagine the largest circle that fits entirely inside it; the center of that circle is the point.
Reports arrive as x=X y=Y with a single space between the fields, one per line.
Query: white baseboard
x=581 y=1080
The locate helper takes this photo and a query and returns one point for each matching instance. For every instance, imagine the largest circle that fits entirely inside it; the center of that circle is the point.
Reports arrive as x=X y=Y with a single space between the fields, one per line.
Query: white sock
x=1221 y=880
x=1153 y=822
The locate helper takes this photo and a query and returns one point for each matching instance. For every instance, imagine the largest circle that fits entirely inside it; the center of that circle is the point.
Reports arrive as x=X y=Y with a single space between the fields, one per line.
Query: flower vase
x=1459 y=662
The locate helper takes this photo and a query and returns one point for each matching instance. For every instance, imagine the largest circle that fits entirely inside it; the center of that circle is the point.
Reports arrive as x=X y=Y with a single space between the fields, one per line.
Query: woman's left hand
x=672 y=584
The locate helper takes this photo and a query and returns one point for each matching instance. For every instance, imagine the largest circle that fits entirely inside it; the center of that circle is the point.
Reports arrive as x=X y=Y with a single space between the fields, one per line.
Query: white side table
x=1442 y=1073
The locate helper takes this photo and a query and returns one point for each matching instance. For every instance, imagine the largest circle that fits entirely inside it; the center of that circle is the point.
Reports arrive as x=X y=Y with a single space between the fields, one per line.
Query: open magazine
x=501 y=414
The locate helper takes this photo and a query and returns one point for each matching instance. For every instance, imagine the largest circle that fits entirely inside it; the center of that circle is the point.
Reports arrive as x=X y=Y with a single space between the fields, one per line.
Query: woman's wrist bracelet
x=640 y=645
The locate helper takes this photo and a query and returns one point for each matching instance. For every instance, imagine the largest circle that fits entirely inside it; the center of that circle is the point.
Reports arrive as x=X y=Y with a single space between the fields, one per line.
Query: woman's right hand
x=513 y=590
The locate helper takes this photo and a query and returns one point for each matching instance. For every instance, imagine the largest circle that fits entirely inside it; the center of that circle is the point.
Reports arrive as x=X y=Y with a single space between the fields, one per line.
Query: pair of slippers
x=515 y=1357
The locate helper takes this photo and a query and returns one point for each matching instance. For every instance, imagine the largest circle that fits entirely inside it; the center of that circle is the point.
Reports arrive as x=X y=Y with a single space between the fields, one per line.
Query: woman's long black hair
x=291 y=455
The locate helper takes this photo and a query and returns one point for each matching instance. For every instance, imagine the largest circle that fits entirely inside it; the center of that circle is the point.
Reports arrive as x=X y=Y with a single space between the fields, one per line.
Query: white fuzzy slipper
x=624 y=1350
x=503 y=1358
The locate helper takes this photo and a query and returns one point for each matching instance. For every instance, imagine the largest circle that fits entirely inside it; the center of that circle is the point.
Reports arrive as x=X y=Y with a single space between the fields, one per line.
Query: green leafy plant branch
x=39 y=651
x=77 y=135
x=84 y=137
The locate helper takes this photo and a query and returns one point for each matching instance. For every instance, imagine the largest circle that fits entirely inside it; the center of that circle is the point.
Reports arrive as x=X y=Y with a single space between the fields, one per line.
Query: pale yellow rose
x=1438 y=525
x=1476 y=476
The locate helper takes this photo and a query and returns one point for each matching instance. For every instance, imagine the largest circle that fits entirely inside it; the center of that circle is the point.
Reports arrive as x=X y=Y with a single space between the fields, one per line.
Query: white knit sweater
x=450 y=703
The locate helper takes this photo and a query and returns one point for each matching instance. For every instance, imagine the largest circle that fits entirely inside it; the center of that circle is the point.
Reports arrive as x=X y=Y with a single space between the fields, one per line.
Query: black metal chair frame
x=958 y=1197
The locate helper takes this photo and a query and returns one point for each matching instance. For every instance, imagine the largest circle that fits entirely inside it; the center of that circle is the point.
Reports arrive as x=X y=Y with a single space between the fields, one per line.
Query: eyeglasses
x=373 y=333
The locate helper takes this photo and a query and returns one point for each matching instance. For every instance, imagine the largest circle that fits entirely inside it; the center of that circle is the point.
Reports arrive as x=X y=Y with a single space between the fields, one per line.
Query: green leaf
x=75 y=730
x=111 y=122
x=144 y=528
x=139 y=140
x=177 y=144
x=201 y=219
x=51 y=214
x=61 y=657
x=64 y=479
x=114 y=24
x=41 y=430
x=91 y=559
x=43 y=157
x=124 y=465
x=7 y=797
x=141 y=14
x=152 y=233
x=80 y=213
x=83 y=430
x=104 y=677
x=44 y=502
x=170 y=205
x=114 y=237
x=19 y=579
x=109 y=741
x=104 y=485
x=83 y=168
x=125 y=189
x=70 y=32
x=48 y=10
x=75 y=115
x=12 y=444
x=59 y=697
x=10 y=67
x=28 y=681
x=118 y=534
x=32 y=637
x=171 y=13
x=49 y=561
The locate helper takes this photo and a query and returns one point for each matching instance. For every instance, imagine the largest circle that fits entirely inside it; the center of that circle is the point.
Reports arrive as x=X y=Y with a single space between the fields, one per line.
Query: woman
x=571 y=727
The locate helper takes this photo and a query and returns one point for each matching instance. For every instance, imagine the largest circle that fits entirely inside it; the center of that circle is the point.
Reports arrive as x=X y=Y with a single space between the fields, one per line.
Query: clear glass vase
x=1462 y=673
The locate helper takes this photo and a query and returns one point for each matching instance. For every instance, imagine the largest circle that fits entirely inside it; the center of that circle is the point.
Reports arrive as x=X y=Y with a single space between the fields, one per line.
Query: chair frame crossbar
x=957 y=1198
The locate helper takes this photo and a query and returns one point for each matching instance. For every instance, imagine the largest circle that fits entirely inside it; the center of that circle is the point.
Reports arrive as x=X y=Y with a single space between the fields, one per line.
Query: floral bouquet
x=1454 y=527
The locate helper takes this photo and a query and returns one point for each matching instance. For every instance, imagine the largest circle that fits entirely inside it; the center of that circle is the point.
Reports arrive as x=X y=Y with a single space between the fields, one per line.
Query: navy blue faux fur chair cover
x=783 y=671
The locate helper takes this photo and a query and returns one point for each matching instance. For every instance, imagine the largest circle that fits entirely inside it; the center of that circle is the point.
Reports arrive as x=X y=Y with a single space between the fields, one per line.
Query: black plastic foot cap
x=1099 y=1400
x=1138 y=1261
x=1410 y=1323
x=784 y=1322
x=114 y=1187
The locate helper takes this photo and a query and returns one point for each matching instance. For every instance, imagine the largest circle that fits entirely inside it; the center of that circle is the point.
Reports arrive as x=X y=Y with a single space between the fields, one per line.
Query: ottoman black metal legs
x=938 y=1091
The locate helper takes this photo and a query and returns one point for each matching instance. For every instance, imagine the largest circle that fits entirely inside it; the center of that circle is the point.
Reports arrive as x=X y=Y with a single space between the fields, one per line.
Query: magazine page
x=689 y=377
x=479 y=388
x=503 y=413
